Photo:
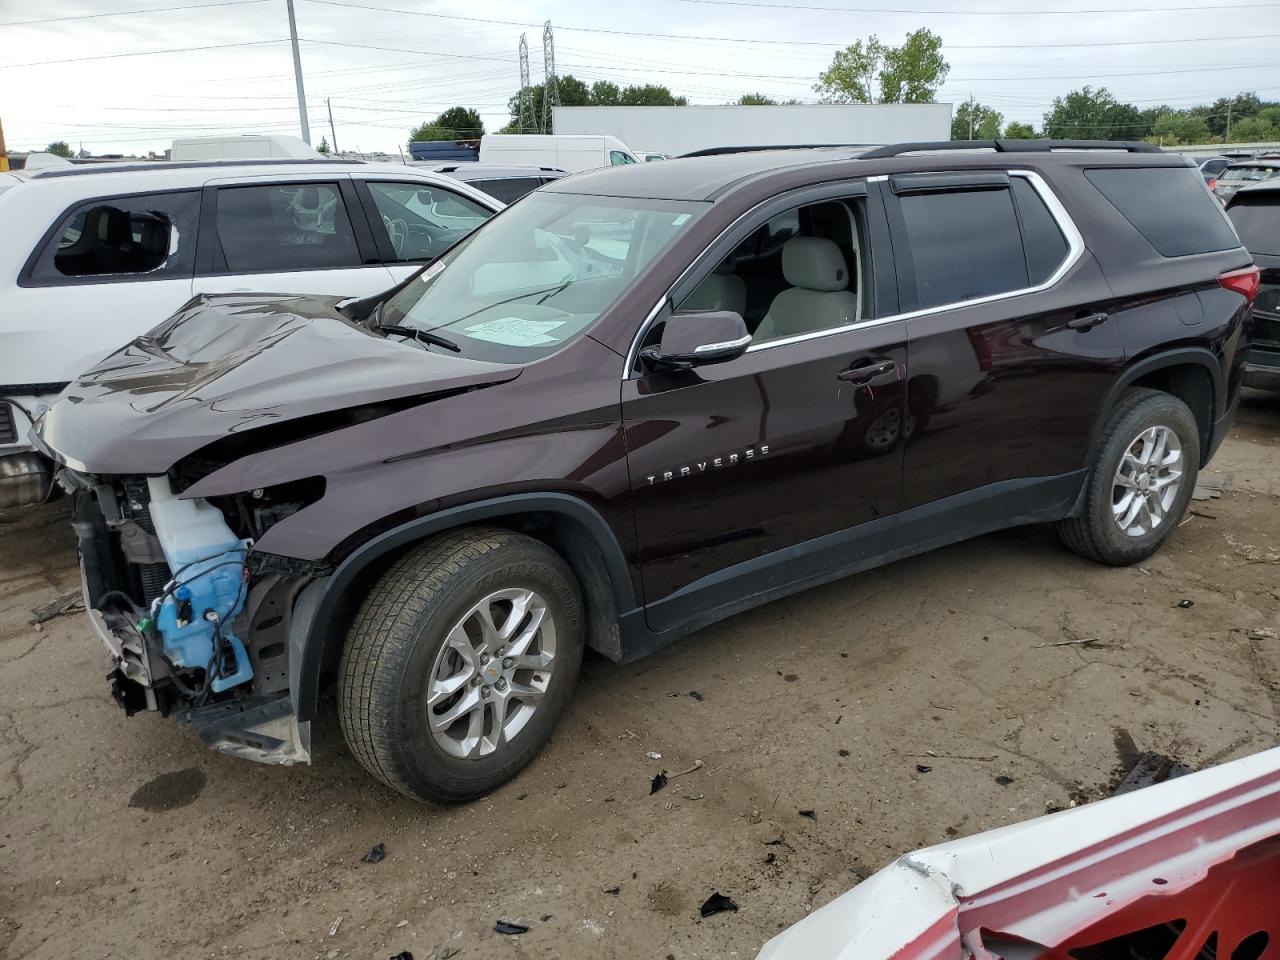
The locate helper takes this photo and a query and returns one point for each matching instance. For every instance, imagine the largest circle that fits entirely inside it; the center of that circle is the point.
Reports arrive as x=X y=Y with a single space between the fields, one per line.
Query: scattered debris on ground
x=717 y=903
x=376 y=855
x=658 y=783
x=66 y=603
x=509 y=927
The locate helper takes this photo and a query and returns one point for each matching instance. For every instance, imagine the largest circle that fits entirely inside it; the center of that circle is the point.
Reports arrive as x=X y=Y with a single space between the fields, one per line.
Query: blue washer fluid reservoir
x=207 y=561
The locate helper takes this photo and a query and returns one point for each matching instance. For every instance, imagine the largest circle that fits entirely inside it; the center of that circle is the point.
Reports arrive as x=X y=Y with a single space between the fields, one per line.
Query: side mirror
x=697 y=337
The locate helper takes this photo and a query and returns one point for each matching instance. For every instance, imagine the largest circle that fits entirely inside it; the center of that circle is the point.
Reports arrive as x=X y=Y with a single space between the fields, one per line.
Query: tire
x=1135 y=427
x=395 y=655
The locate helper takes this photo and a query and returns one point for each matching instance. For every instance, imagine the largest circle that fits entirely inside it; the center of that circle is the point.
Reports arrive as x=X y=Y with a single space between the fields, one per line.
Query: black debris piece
x=1003 y=780
x=718 y=903
x=696 y=695
x=777 y=841
x=1151 y=768
x=614 y=890
x=403 y=955
x=1183 y=604
x=921 y=768
x=658 y=783
x=546 y=917
x=810 y=814
x=509 y=927
x=771 y=858
x=842 y=752
x=376 y=855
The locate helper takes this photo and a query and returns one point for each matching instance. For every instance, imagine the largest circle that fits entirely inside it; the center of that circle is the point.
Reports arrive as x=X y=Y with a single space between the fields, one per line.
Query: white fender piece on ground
x=1187 y=869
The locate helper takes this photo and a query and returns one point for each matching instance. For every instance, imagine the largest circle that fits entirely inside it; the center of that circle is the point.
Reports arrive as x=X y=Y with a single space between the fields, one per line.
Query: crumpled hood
x=228 y=364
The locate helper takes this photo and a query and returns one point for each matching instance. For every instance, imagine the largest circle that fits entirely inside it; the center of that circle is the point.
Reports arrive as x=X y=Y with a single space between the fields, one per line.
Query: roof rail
x=47 y=173
x=757 y=148
x=1010 y=146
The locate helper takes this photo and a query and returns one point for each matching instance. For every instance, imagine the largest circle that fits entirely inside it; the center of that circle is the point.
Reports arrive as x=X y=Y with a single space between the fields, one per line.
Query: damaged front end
x=196 y=624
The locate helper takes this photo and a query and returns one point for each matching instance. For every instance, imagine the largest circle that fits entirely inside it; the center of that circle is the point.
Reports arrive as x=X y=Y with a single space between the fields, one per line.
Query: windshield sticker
x=429 y=274
x=515 y=331
x=681 y=220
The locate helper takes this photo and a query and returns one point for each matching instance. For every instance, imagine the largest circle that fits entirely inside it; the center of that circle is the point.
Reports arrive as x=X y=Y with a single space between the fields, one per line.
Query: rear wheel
x=1140 y=482
x=460 y=662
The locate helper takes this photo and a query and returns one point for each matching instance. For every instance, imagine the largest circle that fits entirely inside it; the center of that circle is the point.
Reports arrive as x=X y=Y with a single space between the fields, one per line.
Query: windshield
x=537 y=276
x=1249 y=173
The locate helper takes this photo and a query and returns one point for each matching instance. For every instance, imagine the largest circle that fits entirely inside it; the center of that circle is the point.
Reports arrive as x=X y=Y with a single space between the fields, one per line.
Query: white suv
x=93 y=256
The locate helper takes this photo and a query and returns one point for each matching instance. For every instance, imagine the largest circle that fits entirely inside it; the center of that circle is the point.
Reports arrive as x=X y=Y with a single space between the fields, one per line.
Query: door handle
x=866 y=374
x=1087 y=322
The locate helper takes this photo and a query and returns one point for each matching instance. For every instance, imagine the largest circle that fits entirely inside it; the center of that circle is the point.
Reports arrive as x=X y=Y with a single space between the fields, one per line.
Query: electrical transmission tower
x=524 y=115
x=550 y=89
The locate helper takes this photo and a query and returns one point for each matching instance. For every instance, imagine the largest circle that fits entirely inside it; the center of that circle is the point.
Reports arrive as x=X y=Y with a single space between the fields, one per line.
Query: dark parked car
x=1256 y=213
x=507 y=184
x=1212 y=168
x=636 y=402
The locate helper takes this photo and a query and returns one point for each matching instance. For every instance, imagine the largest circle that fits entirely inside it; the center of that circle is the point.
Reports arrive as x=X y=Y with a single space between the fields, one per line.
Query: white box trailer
x=680 y=130
x=248 y=146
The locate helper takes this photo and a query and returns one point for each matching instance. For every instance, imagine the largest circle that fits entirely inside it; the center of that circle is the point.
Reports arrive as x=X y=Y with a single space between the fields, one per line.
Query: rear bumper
x=1262 y=368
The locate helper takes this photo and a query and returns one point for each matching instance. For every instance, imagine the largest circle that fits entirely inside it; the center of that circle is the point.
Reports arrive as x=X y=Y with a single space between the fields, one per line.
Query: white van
x=568 y=153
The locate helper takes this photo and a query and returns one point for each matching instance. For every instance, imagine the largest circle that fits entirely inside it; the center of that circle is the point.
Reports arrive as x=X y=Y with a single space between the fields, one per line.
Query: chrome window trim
x=1075 y=250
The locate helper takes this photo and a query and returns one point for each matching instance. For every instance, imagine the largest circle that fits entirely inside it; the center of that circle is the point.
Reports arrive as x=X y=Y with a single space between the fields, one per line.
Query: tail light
x=1244 y=282
x=1213 y=184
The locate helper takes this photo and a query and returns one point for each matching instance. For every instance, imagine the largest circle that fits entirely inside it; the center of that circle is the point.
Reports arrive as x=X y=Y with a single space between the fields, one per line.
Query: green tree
x=1020 y=131
x=914 y=71
x=650 y=95
x=1254 y=129
x=324 y=147
x=605 y=94
x=59 y=148
x=873 y=72
x=975 y=121
x=1174 y=127
x=456 y=123
x=1089 y=114
x=573 y=93
x=756 y=100
x=1240 y=107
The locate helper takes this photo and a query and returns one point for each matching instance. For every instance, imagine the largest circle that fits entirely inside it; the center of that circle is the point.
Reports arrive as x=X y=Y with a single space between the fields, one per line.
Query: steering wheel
x=398 y=231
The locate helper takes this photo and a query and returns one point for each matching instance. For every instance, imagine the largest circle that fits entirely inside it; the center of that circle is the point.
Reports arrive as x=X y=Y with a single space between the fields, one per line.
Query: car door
x=301 y=235
x=1010 y=354
x=783 y=466
x=105 y=270
x=414 y=221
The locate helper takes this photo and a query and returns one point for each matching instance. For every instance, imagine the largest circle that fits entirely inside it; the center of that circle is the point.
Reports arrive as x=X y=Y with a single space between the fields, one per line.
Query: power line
x=978 y=13
x=126 y=13
x=811 y=43
x=140 y=53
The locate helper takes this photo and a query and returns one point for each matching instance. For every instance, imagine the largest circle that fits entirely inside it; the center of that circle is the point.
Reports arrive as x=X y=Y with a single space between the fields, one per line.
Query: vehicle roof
x=154 y=166
x=708 y=177
x=467 y=170
x=1256 y=162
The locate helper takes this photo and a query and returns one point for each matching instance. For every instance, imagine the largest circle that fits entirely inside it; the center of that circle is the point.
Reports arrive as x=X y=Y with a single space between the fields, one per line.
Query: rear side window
x=1258 y=225
x=1045 y=245
x=284 y=227
x=1247 y=174
x=964 y=245
x=1169 y=206
x=508 y=189
x=141 y=237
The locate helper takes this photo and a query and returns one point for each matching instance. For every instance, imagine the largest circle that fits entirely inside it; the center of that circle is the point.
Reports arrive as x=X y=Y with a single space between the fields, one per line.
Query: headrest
x=814 y=263
x=109 y=225
x=155 y=237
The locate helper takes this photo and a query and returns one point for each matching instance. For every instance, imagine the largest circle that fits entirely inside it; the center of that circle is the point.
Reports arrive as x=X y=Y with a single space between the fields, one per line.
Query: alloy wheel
x=1147 y=482
x=491 y=673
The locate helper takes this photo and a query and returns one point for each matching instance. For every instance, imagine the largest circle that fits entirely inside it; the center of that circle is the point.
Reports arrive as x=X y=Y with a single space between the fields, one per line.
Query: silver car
x=1242 y=175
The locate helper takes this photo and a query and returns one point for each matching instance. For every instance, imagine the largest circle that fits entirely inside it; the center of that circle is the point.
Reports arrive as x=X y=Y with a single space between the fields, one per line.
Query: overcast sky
x=385 y=70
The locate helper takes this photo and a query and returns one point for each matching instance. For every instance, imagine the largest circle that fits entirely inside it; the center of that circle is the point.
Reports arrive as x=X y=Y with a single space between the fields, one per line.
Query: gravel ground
x=923 y=701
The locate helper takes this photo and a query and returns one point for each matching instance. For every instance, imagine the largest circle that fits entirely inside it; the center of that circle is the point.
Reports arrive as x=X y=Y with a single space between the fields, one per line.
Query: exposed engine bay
x=193 y=626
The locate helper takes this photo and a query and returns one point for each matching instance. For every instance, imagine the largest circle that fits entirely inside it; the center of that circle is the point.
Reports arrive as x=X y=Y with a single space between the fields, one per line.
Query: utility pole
x=297 y=74
x=1228 y=140
x=332 y=132
x=4 y=154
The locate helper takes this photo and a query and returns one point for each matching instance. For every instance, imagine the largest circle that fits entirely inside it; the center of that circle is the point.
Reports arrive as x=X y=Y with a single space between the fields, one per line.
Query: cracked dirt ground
x=123 y=838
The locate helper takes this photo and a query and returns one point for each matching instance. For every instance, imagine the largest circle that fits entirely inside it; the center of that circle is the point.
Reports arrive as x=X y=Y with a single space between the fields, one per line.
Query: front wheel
x=460 y=662
x=1140 y=481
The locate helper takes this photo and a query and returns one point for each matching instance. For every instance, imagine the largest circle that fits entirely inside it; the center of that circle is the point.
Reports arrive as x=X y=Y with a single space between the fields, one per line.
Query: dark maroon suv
x=636 y=402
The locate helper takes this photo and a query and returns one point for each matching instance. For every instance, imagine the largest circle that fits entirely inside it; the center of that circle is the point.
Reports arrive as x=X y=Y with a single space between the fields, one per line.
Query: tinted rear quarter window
x=1045 y=245
x=1169 y=206
x=284 y=227
x=964 y=245
x=1258 y=224
x=508 y=189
